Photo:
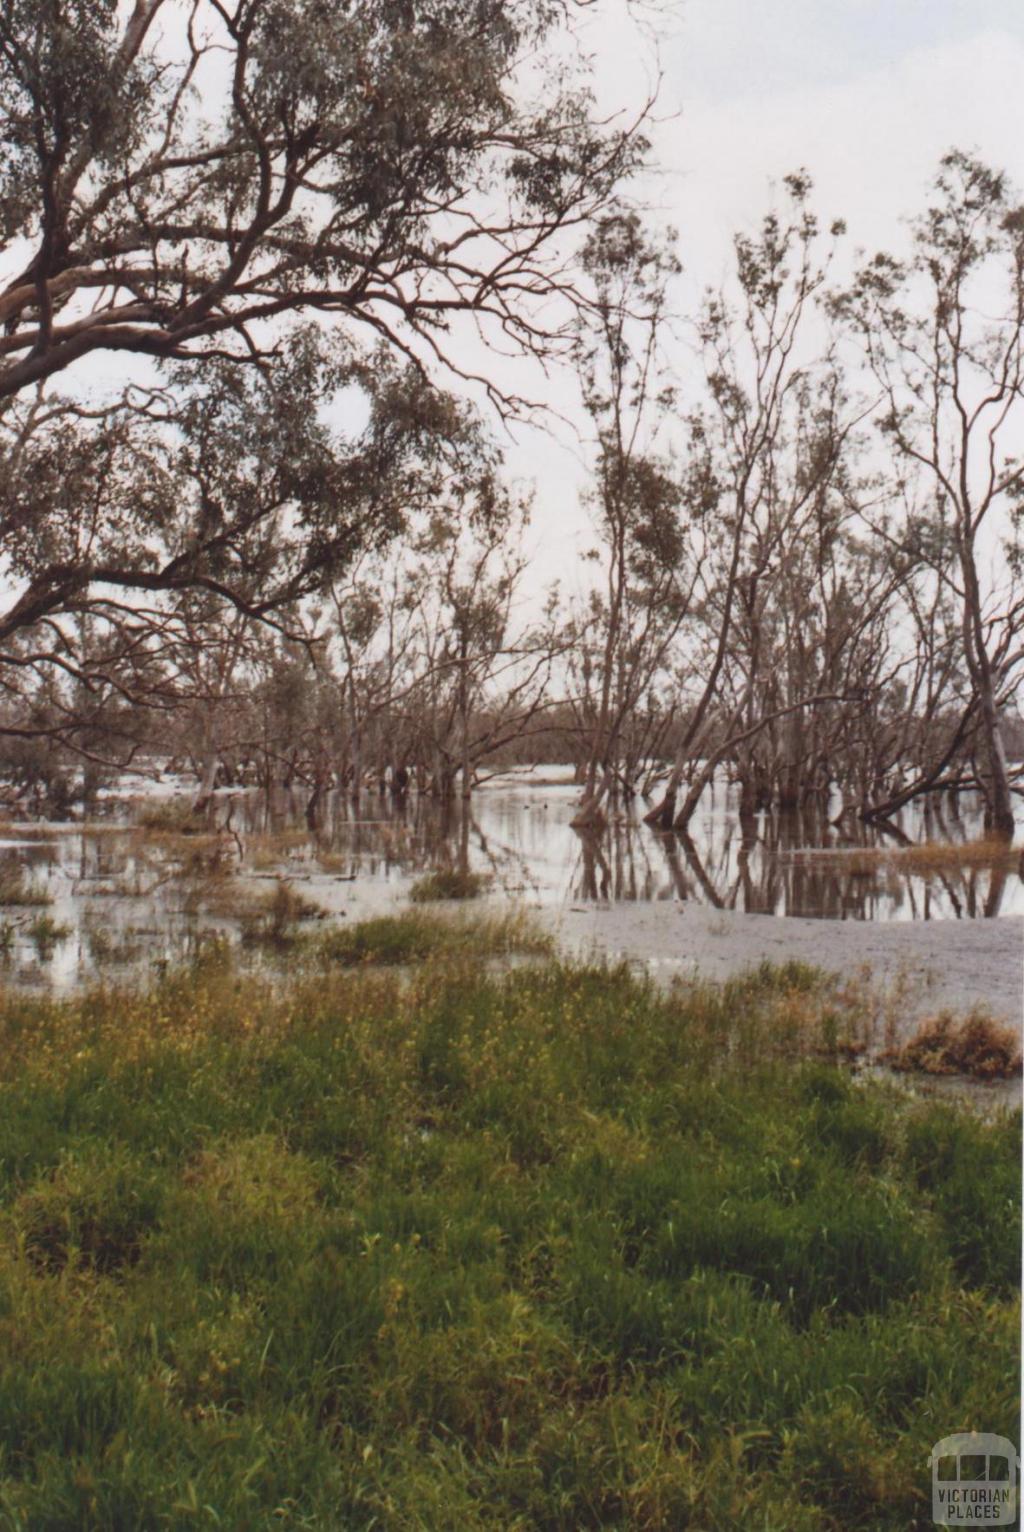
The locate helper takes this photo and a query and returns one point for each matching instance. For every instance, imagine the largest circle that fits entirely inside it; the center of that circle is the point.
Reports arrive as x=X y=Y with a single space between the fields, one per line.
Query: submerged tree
x=621 y=641
x=767 y=447
x=481 y=670
x=943 y=332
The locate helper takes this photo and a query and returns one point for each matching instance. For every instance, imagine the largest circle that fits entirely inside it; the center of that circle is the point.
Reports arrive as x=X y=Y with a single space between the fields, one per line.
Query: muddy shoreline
x=934 y=965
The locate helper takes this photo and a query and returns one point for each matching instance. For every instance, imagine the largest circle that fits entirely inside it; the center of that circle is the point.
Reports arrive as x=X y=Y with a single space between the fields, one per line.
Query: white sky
x=866 y=94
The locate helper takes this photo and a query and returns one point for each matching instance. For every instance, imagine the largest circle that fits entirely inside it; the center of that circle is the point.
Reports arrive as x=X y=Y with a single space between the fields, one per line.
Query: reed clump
x=44 y=932
x=273 y=920
x=928 y=858
x=940 y=855
x=173 y=816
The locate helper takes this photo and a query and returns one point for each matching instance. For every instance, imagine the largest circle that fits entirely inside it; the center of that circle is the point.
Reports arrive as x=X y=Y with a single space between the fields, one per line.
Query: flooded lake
x=110 y=896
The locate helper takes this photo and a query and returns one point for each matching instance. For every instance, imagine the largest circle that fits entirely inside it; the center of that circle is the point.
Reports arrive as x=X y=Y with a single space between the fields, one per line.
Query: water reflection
x=803 y=863
x=82 y=899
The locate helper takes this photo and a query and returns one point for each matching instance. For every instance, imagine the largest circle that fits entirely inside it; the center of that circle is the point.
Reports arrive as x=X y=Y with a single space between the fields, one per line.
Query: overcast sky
x=866 y=94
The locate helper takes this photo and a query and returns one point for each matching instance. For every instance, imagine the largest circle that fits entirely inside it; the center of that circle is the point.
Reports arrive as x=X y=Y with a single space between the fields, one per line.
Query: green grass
x=545 y=1249
x=448 y=883
x=415 y=936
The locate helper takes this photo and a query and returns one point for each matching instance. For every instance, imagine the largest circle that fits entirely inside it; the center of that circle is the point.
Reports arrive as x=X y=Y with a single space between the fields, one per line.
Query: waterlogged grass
x=415 y=937
x=448 y=883
x=974 y=1045
x=926 y=859
x=547 y=1249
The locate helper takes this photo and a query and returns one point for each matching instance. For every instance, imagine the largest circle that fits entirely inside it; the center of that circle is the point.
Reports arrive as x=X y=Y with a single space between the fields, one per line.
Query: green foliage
x=543 y=1250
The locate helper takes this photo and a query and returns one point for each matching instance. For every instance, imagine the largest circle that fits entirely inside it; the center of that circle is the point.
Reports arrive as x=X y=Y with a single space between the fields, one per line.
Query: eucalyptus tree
x=227 y=484
x=621 y=640
x=483 y=664
x=942 y=333
x=769 y=440
x=183 y=185
x=174 y=175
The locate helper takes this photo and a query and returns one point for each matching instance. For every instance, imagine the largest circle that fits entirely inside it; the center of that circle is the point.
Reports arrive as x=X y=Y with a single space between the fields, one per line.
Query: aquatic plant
x=45 y=932
x=415 y=936
x=171 y=816
x=271 y=921
x=448 y=883
x=976 y=1045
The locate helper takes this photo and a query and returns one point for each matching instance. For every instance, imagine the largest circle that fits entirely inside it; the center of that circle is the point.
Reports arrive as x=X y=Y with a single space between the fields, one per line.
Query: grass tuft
x=45 y=933
x=415 y=936
x=975 y=1045
x=172 y=816
x=272 y=920
x=448 y=883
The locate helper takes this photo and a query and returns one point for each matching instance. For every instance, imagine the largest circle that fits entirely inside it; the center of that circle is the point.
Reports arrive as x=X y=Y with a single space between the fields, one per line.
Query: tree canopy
x=260 y=205
x=172 y=179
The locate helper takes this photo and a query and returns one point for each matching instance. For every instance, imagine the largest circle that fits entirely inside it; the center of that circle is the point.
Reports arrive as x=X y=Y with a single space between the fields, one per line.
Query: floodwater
x=113 y=899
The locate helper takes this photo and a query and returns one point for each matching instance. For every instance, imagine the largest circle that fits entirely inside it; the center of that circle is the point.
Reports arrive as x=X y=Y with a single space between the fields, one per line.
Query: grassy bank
x=539 y=1250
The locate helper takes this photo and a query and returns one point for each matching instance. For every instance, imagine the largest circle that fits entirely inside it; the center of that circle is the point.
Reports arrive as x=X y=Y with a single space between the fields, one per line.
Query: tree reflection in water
x=795 y=863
